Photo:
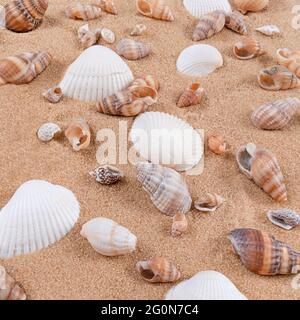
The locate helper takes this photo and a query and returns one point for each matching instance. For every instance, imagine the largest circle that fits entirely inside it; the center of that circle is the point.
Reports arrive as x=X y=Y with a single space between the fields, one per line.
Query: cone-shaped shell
x=96 y=74
x=158 y=269
x=250 y=5
x=78 y=134
x=133 y=50
x=108 y=237
x=284 y=218
x=275 y=115
x=80 y=11
x=209 y=202
x=248 y=48
x=9 y=289
x=106 y=5
x=290 y=59
x=261 y=166
x=199 y=8
x=217 y=143
x=236 y=22
x=179 y=225
x=38 y=214
x=166 y=187
x=107 y=174
x=268 y=30
x=205 y=285
x=156 y=9
x=191 y=96
x=261 y=253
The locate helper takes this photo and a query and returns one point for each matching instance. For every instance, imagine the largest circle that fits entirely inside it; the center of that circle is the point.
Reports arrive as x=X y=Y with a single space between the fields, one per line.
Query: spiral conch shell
x=284 y=218
x=210 y=202
x=179 y=225
x=106 y=5
x=217 y=143
x=166 y=187
x=158 y=269
x=23 y=68
x=248 y=48
x=236 y=22
x=23 y=15
x=48 y=131
x=209 y=25
x=250 y=5
x=191 y=96
x=9 y=289
x=83 y=12
x=156 y=9
x=133 y=50
x=261 y=166
x=78 y=134
x=275 y=115
x=107 y=174
x=290 y=59
x=261 y=253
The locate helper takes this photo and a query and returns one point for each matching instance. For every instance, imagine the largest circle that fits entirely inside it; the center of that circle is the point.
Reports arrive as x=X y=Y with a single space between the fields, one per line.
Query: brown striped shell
x=156 y=9
x=78 y=133
x=147 y=80
x=217 y=143
x=209 y=202
x=290 y=59
x=107 y=174
x=209 y=25
x=275 y=115
x=284 y=218
x=248 y=48
x=250 y=5
x=106 y=5
x=236 y=22
x=132 y=49
x=9 y=289
x=83 y=12
x=179 y=225
x=261 y=166
x=191 y=96
x=261 y=253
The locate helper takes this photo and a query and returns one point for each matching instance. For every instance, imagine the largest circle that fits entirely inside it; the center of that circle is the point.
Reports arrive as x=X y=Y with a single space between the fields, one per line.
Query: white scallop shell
x=164 y=139
x=199 y=60
x=96 y=74
x=37 y=215
x=108 y=237
x=197 y=8
x=205 y=285
x=268 y=30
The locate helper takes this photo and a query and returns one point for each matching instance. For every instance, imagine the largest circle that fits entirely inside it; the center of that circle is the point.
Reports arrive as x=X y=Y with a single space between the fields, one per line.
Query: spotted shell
x=107 y=174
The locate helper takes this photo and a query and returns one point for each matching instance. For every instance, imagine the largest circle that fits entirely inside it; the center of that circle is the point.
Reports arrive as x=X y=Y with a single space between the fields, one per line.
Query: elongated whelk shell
x=284 y=218
x=53 y=95
x=217 y=143
x=179 y=225
x=236 y=22
x=107 y=174
x=48 y=131
x=9 y=289
x=156 y=9
x=191 y=96
x=78 y=134
x=209 y=202
x=138 y=30
x=132 y=49
x=268 y=30
x=290 y=59
x=83 y=12
x=248 y=48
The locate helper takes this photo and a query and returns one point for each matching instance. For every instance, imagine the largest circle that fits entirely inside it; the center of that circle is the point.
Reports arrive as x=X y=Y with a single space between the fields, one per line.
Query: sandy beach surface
x=71 y=269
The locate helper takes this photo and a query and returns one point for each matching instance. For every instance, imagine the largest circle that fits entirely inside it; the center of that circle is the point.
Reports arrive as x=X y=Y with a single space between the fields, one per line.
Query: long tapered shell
x=217 y=143
x=138 y=30
x=23 y=15
x=96 y=74
x=209 y=202
x=48 y=131
x=37 y=215
x=53 y=95
x=86 y=37
x=199 y=8
x=205 y=285
x=158 y=269
x=107 y=174
x=261 y=166
x=148 y=80
x=106 y=5
x=9 y=289
x=83 y=12
x=284 y=218
x=275 y=115
x=199 y=60
x=277 y=78
x=250 y=5
x=191 y=96
x=133 y=50
x=108 y=237
x=261 y=253
x=156 y=9
x=179 y=225
x=166 y=187
x=209 y=25
x=290 y=59
x=78 y=134
x=236 y=22
x=248 y=48
x=268 y=30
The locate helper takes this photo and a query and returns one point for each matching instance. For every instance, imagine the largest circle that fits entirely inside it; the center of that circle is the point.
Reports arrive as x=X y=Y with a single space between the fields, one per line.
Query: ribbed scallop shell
x=261 y=253
x=284 y=218
x=108 y=237
x=205 y=285
x=199 y=8
x=199 y=60
x=275 y=115
x=236 y=22
x=156 y=9
x=248 y=48
x=96 y=74
x=133 y=50
x=37 y=215
x=164 y=139
x=166 y=187
x=250 y=5
x=9 y=289
x=78 y=134
x=83 y=12
x=290 y=59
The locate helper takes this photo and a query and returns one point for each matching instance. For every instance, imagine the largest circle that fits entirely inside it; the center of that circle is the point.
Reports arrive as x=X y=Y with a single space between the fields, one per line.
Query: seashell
x=261 y=253
x=262 y=167
x=290 y=59
x=277 y=78
x=37 y=215
x=83 y=12
x=156 y=9
x=48 y=131
x=209 y=25
x=107 y=35
x=166 y=187
x=250 y=5
x=23 y=15
x=248 y=48
x=275 y=115
x=96 y=74
x=9 y=289
x=284 y=218
x=106 y=5
x=268 y=30
x=179 y=225
x=86 y=37
x=78 y=134
x=164 y=139
x=191 y=96
x=199 y=8
x=23 y=68
x=147 y=80
x=217 y=143
x=108 y=238
x=210 y=202
x=133 y=50
x=236 y=22
x=205 y=285
x=107 y=174
x=158 y=269
x=138 y=30
x=53 y=95
x=199 y=60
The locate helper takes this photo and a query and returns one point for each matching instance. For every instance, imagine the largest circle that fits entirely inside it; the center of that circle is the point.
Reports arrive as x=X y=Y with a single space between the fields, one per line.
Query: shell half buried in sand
x=37 y=215
x=250 y=5
x=164 y=139
x=9 y=289
x=199 y=60
x=199 y=8
x=96 y=74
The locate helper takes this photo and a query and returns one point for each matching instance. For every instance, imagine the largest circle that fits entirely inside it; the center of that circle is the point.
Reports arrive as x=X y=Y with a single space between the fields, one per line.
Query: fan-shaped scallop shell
x=191 y=96
x=106 y=5
x=83 y=12
x=179 y=225
x=107 y=174
x=133 y=50
x=284 y=218
x=38 y=214
x=9 y=289
x=156 y=9
x=290 y=59
x=268 y=30
x=248 y=48
x=78 y=134
x=205 y=285
x=250 y=5
x=96 y=74
x=199 y=8
x=48 y=131
x=199 y=60
x=236 y=22
x=209 y=202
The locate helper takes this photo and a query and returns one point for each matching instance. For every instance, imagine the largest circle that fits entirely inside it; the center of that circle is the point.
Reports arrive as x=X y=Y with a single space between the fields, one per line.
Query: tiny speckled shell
x=284 y=218
x=9 y=289
x=107 y=174
x=48 y=131
x=132 y=49
x=138 y=30
x=53 y=95
x=83 y=12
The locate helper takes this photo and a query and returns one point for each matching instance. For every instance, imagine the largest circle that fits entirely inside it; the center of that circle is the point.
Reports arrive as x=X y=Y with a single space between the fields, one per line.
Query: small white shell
x=198 y=8
x=199 y=60
x=48 y=131
x=107 y=35
x=268 y=30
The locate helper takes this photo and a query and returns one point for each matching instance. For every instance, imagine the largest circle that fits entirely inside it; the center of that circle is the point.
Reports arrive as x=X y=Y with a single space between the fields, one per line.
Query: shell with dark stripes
x=235 y=21
x=133 y=50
